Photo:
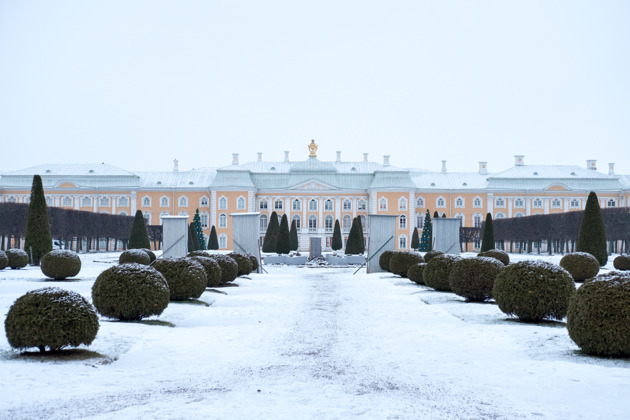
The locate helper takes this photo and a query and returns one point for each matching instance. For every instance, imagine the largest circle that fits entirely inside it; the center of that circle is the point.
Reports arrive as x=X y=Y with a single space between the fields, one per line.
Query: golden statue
x=312 y=148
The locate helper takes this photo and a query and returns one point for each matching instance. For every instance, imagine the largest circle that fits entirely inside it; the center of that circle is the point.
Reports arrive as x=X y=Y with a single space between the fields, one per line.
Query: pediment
x=66 y=184
x=313 y=185
x=557 y=187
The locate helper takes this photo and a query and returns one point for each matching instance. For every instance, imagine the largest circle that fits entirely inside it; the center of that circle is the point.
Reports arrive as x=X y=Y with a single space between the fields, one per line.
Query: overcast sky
x=139 y=83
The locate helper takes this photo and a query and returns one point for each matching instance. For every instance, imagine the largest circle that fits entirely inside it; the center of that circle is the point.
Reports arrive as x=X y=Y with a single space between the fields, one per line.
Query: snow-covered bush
x=198 y=253
x=498 y=254
x=622 y=262
x=436 y=272
x=400 y=262
x=534 y=290
x=383 y=260
x=51 y=318
x=415 y=273
x=59 y=264
x=599 y=317
x=212 y=269
x=186 y=277
x=130 y=292
x=473 y=278
x=254 y=262
x=134 y=256
x=431 y=254
x=4 y=260
x=581 y=265
x=18 y=258
x=229 y=267
x=150 y=253
x=243 y=261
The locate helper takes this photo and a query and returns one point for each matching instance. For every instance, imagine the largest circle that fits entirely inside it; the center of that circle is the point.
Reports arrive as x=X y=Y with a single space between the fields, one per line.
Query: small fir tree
x=139 y=236
x=213 y=240
x=426 y=238
x=415 y=239
x=293 y=235
x=354 y=244
x=283 y=239
x=199 y=230
x=337 y=242
x=487 y=241
x=362 y=238
x=269 y=243
x=38 y=237
x=592 y=237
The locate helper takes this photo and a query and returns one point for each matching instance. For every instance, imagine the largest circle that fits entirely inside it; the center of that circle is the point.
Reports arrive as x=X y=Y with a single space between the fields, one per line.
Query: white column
x=411 y=223
x=320 y=220
x=372 y=199
x=114 y=198
x=305 y=215
x=287 y=211
x=509 y=205
x=134 y=205
x=213 y=208
x=76 y=202
x=354 y=207
x=490 y=204
x=546 y=205
x=337 y=209
x=566 y=204
x=528 y=206
x=251 y=201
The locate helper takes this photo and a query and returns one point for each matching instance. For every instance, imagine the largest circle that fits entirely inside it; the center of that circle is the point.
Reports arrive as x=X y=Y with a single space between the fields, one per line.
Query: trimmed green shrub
x=134 y=256
x=473 y=278
x=337 y=242
x=243 y=261
x=130 y=292
x=139 y=236
x=293 y=235
x=198 y=253
x=383 y=260
x=283 y=239
x=4 y=260
x=415 y=273
x=186 y=277
x=599 y=316
x=487 y=240
x=496 y=254
x=622 y=262
x=400 y=262
x=150 y=253
x=354 y=244
x=431 y=254
x=229 y=267
x=212 y=269
x=59 y=264
x=51 y=318
x=254 y=262
x=592 y=236
x=271 y=234
x=213 y=240
x=415 y=240
x=581 y=265
x=38 y=239
x=438 y=269
x=534 y=290
x=18 y=258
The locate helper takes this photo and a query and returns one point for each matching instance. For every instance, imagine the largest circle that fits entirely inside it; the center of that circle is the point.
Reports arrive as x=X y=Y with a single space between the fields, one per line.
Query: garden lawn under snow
x=311 y=343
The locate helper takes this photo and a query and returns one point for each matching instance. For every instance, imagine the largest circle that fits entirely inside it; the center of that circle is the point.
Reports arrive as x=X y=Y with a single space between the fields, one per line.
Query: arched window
x=537 y=203
x=298 y=221
x=347 y=205
x=402 y=204
x=328 y=205
x=312 y=223
x=123 y=201
x=556 y=203
x=263 y=222
x=477 y=202
x=203 y=201
x=183 y=201
x=278 y=204
x=362 y=205
x=328 y=223
x=146 y=201
x=518 y=214
x=123 y=213
x=382 y=204
x=346 y=223
x=440 y=202
x=86 y=202
x=204 y=217
x=262 y=204
x=222 y=203
x=223 y=241
x=312 y=205
x=163 y=201
x=240 y=203
x=65 y=202
x=104 y=202
x=500 y=202
x=500 y=215
x=519 y=203
x=402 y=222
x=477 y=219
x=420 y=202
x=222 y=220
x=297 y=205
x=402 y=242
x=459 y=202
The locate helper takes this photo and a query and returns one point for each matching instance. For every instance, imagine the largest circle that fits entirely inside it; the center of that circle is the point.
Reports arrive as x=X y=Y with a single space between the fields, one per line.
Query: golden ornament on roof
x=312 y=148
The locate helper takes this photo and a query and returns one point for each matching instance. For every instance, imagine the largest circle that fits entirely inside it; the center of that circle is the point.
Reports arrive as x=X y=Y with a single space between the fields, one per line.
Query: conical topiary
x=415 y=240
x=487 y=241
x=283 y=240
x=293 y=235
x=361 y=237
x=337 y=242
x=592 y=237
x=213 y=240
x=38 y=238
x=199 y=230
x=427 y=237
x=269 y=243
x=139 y=236
x=355 y=242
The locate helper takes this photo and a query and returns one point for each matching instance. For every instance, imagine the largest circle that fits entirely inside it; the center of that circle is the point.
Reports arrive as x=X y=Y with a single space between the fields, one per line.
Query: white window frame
x=222 y=203
x=204 y=201
x=147 y=217
x=556 y=203
x=402 y=242
x=477 y=220
x=223 y=221
x=477 y=203
x=66 y=201
x=241 y=203
x=164 y=201
x=86 y=201
x=329 y=223
x=182 y=201
x=499 y=202
x=575 y=203
x=347 y=205
x=611 y=203
x=263 y=204
x=328 y=205
x=419 y=220
x=297 y=205
x=382 y=204
x=402 y=222
x=146 y=201
x=402 y=204
x=500 y=215
x=420 y=201
x=440 y=202
x=278 y=204
x=346 y=223
x=362 y=205
x=312 y=223
x=264 y=222
x=204 y=217
x=298 y=221
x=537 y=203
x=519 y=203
x=460 y=203
x=223 y=241
x=312 y=205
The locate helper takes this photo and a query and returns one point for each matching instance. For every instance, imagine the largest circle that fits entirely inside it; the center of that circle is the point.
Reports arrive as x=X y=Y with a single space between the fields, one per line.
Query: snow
x=312 y=343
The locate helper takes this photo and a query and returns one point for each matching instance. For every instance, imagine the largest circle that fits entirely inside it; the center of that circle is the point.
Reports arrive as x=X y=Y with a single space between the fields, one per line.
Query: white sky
x=139 y=83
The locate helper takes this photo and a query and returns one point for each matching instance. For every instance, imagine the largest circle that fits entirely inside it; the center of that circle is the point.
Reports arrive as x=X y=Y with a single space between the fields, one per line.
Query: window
x=263 y=222
x=537 y=203
x=86 y=202
x=328 y=205
x=477 y=203
x=297 y=205
x=328 y=223
x=518 y=214
x=162 y=214
x=146 y=201
x=402 y=242
x=500 y=215
x=556 y=203
x=262 y=204
x=66 y=201
x=11 y=199
x=420 y=202
x=477 y=218
x=222 y=220
x=575 y=203
x=164 y=201
x=419 y=220
x=347 y=205
x=204 y=216
x=312 y=223
x=49 y=201
x=298 y=221
x=459 y=202
x=240 y=203
x=27 y=199
x=104 y=202
x=123 y=213
x=183 y=213
x=500 y=202
x=312 y=205
x=440 y=203
x=362 y=205
x=223 y=241
x=402 y=222
x=402 y=204
x=611 y=203
x=519 y=203
x=203 y=201
x=222 y=203
x=183 y=201
x=346 y=223
x=382 y=204
x=363 y=220
x=277 y=205
x=123 y=201
x=147 y=217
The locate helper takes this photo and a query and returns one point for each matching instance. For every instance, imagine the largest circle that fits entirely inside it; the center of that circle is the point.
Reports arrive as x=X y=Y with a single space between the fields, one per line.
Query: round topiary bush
x=18 y=258
x=431 y=254
x=473 y=278
x=150 y=253
x=198 y=253
x=134 y=256
x=212 y=269
x=383 y=260
x=598 y=319
x=59 y=264
x=243 y=261
x=400 y=262
x=622 y=262
x=436 y=272
x=4 y=260
x=186 y=277
x=498 y=254
x=51 y=318
x=415 y=273
x=254 y=262
x=581 y=265
x=229 y=267
x=534 y=290
x=130 y=292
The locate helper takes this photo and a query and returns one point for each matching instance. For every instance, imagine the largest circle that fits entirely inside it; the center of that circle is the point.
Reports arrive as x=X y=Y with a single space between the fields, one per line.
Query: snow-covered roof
x=71 y=169
x=543 y=177
x=450 y=180
x=196 y=178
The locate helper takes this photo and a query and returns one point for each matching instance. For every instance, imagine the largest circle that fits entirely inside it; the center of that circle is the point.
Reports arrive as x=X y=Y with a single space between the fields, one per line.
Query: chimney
x=234 y=158
x=175 y=165
x=443 y=166
x=259 y=156
x=519 y=160
x=365 y=155
x=483 y=168
x=591 y=164
x=338 y=156
x=611 y=169
x=286 y=155
x=385 y=160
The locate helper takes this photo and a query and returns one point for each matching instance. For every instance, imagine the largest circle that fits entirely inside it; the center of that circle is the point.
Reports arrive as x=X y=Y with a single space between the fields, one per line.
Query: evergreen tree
x=427 y=237
x=337 y=242
x=487 y=241
x=354 y=244
x=415 y=240
x=283 y=239
x=592 y=237
x=139 y=236
x=199 y=230
x=38 y=237
x=269 y=243
x=293 y=235
x=360 y=225
x=436 y=214
x=192 y=239
x=213 y=241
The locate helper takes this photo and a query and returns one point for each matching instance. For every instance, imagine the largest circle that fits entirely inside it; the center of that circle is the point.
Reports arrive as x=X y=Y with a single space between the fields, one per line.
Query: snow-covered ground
x=312 y=343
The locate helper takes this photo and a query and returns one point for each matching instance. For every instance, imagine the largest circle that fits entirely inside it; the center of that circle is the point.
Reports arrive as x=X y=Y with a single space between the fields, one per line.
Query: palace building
x=315 y=193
